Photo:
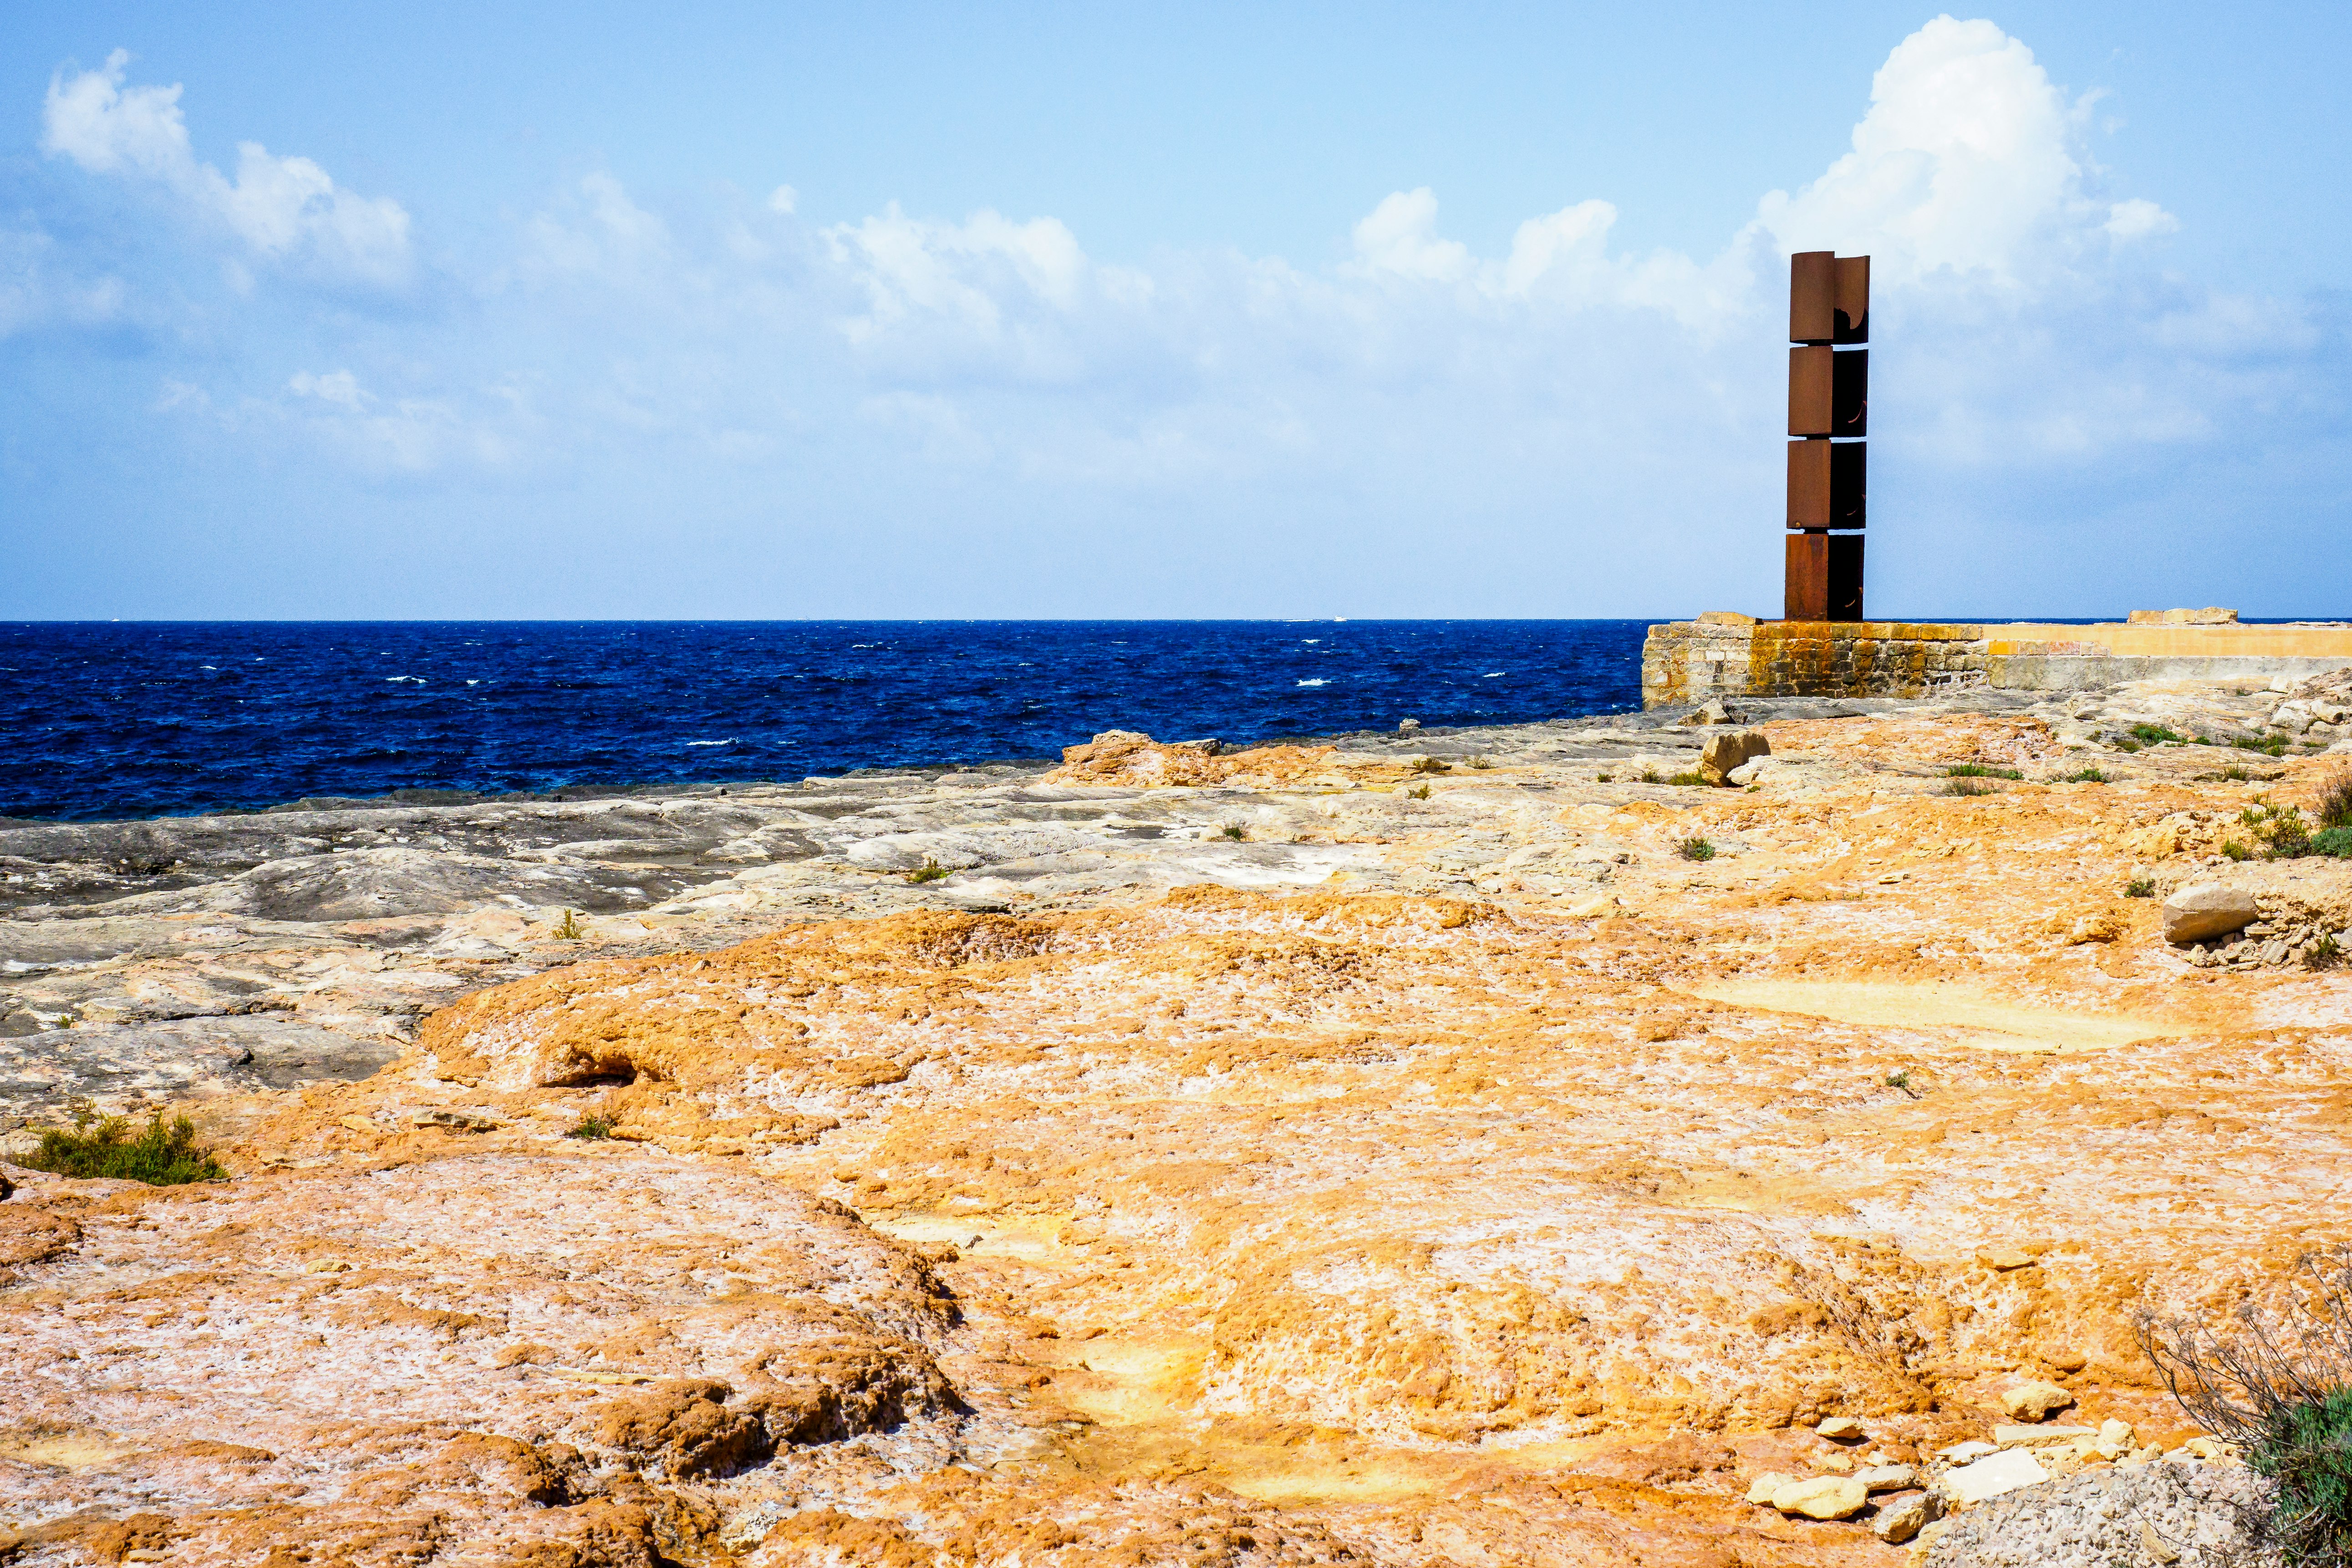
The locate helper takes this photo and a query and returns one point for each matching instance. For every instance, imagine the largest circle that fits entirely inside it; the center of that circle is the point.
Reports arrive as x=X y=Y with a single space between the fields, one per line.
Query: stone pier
x=1685 y=663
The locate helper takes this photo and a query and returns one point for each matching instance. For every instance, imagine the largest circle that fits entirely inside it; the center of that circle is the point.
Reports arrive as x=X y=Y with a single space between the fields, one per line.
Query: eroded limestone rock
x=2208 y=910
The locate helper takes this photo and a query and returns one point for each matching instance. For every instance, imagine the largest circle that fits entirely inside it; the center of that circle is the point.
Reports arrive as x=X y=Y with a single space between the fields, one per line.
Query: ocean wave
x=710 y=742
x=1314 y=683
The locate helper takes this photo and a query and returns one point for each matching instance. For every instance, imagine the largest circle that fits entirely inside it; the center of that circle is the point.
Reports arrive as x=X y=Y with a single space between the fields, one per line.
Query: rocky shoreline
x=1403 y=1149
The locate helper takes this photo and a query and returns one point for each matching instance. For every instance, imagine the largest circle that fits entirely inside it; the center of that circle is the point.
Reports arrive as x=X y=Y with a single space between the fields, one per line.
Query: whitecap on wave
x=1314 y=683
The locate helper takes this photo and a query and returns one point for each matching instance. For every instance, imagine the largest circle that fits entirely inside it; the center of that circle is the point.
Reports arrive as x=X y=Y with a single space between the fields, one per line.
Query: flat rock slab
x=2187 y=1516
x=169 y=1060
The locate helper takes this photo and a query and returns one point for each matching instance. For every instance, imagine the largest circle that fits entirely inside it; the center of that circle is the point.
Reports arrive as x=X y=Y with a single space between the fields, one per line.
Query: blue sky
x=1198 y=310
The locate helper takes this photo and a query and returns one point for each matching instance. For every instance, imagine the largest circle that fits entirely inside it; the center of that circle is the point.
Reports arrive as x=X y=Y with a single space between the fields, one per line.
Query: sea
x=112 y=720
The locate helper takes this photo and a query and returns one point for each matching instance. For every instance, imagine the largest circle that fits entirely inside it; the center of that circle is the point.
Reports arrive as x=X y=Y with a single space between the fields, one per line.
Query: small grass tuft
x=2323 y=950
x=2233 y=850
x=1652 y=775
x=2159 y=735
x=1419 y=793
x=2235 y=773
x=568 y=929
x=2140 y=888
x=1687 y=779
x=1966 y=787
x=160 y=1156
x=2268 y=745
x=592 y=1127
x=1978 y=771
x=1234 y=830
x=1430 y=765
x=1902 y=1080
x=931 y=870
x=1696 y=849
x=1481 y=763
x=1604 y=778
x=2088 y=775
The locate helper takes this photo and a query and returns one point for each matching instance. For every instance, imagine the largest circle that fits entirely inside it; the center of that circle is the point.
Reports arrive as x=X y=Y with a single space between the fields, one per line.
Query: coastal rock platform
x=1467 y=1146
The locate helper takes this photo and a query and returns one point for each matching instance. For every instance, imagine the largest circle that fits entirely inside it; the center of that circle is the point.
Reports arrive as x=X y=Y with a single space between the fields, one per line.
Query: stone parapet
x=1687 y=663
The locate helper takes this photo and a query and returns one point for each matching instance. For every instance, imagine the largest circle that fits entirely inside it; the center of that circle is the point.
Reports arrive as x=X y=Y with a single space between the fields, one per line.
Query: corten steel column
x=1829 y=413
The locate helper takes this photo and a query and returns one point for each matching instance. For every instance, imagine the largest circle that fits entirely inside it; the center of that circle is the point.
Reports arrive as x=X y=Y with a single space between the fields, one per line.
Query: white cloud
x=1969 y=161
x=782 y=200
x=978 y=275
x=339 y=386
x=1400 y=236
x=2139 y=218
x=284 y=209
x=1573 y=240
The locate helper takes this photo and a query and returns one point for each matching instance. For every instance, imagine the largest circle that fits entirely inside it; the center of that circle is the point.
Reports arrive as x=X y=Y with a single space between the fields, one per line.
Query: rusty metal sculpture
x=1829 y=413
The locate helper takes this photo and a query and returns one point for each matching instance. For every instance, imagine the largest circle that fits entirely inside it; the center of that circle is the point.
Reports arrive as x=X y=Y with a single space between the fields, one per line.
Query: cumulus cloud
x=286 y=209
x=1400 y=236
x=1969 y=161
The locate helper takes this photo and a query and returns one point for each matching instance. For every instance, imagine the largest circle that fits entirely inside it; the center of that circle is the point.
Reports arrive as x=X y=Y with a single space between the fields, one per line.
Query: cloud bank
x=977 y=417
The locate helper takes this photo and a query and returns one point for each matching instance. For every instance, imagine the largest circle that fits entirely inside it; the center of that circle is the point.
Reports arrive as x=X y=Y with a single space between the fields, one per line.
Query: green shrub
x=1687 y=779
x=592 y=1127
x=1420 y=794
x=2236 y=773
x=1978 y=771
x=2159 y=735
x=2140 y=888
x=2289 y=835
x=2283 y=832
x=2268 y=745
x=1696 y=849
x=1603 y=778
x=160 y=1156
x=2323 y=950
x=931 y=870
x=2336 y=841
x=568 y=928
x=2335 y=807
x=2279 y=1387
x=1967 y=787
x=2305 y=1444
x=2235 y=850
x=1652 y=775
x=2088 y=775
x=1429 y=765
x=1233 y=829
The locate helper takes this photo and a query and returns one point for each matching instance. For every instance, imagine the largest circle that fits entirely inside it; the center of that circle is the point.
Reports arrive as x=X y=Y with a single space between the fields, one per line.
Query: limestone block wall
x=1685 y=663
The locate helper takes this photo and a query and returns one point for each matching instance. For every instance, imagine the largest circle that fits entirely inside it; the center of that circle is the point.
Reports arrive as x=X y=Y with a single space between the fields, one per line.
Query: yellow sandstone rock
x=1822 y=1497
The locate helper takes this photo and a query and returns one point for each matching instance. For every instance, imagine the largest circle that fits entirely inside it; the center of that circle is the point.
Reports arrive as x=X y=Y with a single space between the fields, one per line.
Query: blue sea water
x=111 y=719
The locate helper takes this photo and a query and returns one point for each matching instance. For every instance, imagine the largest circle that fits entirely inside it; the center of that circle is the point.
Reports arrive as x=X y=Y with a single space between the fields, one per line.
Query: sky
x=945 y=310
